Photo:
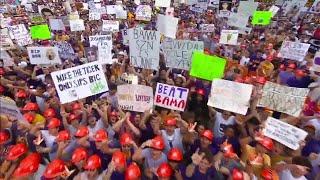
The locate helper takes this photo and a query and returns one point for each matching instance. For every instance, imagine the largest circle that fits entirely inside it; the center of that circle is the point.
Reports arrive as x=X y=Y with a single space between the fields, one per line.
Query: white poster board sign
x=20 y=34
x=137 y=98
x=65 y=49
x=284 y=99
x=284 y=133
x=178 y=53
x=9 y=108
x=274 y=9
x=207 y=27
x=129 y=78
x=162 y=3
x=77 y=25
x=56 y=25
x=237 y=21
x=231 y=96
x=94 y=40
x=43 y=55
x=171 y=97
x=5 y=40
x=125 y=36
x=104 y=50
x=229 y=37
x=144 y=48
x=293 y=50
x=143 y=13
x=109 y=25
x=170 y=11
x=167 y=25
x=79 y=82
x=316 y=62
x=247 y=8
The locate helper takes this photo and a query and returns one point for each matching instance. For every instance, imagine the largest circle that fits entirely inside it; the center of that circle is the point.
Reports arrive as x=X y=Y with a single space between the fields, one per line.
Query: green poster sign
x=41 y=32
x=261 y=17
x=207 y=67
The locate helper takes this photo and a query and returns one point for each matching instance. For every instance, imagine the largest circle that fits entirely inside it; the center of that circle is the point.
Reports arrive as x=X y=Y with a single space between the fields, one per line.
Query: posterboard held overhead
x=207 y=67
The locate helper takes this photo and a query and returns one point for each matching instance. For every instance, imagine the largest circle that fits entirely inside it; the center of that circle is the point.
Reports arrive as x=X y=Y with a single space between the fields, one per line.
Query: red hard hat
x=266 y=142
x=101 y=135
x=171 y=122
x=82 y=131
x=93 y=163
x=54 y=123
x=208 y=134
x=63 y=136
x=76 y=106
x=292 y=66
x=79 y=154
x=21 y=94
x=54 y=169
x=119 y=159
x=29 y=117
x=125 y=139
x=28 y=165
x=132 y=172
x=266 y=174
x=4 y=136
x=1 y=89
x=72 y=117
x=175 y=154
x=237 y=175
x=2 y=72
x=164 y=171
x=300 y=72
x=157 y=143
x=228 y=150
x=201 y=92
x=49 y=113
x=16 y=151
x=30 y=106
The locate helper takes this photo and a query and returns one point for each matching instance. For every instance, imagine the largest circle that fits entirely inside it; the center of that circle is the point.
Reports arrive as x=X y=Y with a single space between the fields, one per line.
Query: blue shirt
x=312 y=146
x=209 y=175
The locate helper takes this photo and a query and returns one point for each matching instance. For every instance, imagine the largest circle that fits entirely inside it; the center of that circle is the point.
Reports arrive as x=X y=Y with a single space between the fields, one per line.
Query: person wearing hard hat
x=175 y=158
x=117 y=166
x=82 y=136
x=66 y=145
x=92 y=168
x=257 y=157
x=15 y=153
x=79 y=158
x=133 y=172
x=151 y=152
x=204 y=143
x=29 y=168
x=100 y=146
x=48 y=136
x=164 y=172
x=32 y=108
x=55 y=170
x=202 y=167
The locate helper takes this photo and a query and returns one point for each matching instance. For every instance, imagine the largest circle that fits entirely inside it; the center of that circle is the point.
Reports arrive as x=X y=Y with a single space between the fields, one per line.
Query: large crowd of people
x=93 y=138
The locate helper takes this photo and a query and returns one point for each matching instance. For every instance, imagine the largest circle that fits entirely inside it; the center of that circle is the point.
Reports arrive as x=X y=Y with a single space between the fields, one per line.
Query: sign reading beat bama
x=171 y=97
x=79 y=82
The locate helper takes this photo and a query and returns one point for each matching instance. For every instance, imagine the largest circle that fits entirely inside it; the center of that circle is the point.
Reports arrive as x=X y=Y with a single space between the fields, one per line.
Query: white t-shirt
x=286 y=175
x=221 y=123
x=99 y=125
x=175 y=139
